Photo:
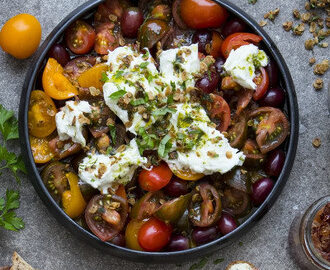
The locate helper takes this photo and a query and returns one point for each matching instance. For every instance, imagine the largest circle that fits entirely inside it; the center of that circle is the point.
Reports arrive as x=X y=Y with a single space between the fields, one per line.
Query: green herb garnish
x=112 y=129
x=163 y=111
x=118 y=94
x=217 y=261
x=144 y=64
x=8 y=218
x=104 y=77
x=138 y=101
x=164 y=146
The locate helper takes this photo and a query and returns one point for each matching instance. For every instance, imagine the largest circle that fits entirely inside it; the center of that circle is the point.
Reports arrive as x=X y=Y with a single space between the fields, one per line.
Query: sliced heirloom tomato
x=80 y=37
x=237 y=132
x=262 y=82
x=271 y=127
x=156 y=178
x=154 y=235
x=151 y=31
x=236 y=202
x=41 y=151
x=198 y=14
x=41 y=114
x=146 y=206
x=236 y=40
x=219 y=111
x=106 y=215
x=216 y=44
x=205 y=206
x=188 y=175
x=253 y=156
x=106 y=40
x=93 y=77
x=55 y=84
x=108 y=9
x=63 y=149
x=78 y=66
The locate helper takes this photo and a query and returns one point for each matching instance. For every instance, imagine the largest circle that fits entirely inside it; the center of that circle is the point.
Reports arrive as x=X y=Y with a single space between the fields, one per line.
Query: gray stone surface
x=49 y=246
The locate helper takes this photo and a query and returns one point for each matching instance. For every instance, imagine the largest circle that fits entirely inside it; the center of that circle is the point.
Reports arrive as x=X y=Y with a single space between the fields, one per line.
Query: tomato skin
x=198 y=14
x=41 y=114
x=237 y=40
x=20 y=36
x=105 y=39
x=154 y=235
x=131 y=234
x=155 y=179
x=262 y=84
x=188 y=175
x=80 y=37
x=219 y=109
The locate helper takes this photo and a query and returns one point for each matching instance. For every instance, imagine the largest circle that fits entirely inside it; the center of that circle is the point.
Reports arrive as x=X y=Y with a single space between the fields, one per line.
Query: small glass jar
x=301 y=246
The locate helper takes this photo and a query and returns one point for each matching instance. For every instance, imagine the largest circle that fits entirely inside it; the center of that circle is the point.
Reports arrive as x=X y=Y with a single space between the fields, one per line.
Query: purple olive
x=176 y=187
x=274 y=162
x=177 y=243
x=232 y=26
x=209 y=82
x=131 y=21
x=274 y=97
x=226 y=223
x=118 y=240
x=204 y=235
x=219 y=64
x=60 y=54
x=273 y=73
x=202 y=37
x=260 y=190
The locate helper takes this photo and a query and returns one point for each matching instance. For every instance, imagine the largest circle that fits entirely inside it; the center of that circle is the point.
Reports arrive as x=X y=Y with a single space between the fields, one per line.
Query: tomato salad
x=159 y=127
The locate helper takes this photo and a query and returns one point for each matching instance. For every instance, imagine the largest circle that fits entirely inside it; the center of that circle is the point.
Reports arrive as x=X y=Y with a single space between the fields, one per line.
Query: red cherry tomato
x=155 y=179
x=220 y=112
x=154 y=235
x=237 y=40
x=262 y=82
x=198 y=14
x=105 y=40
x=80 y=37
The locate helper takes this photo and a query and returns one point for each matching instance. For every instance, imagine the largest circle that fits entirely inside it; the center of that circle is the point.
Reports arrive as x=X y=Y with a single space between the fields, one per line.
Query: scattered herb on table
x=8 y=218
x=199 y=265
x=217 y=261
x=253 y=1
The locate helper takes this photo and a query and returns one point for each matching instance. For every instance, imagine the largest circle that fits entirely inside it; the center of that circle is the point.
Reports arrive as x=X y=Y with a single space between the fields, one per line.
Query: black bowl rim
x=155 y=257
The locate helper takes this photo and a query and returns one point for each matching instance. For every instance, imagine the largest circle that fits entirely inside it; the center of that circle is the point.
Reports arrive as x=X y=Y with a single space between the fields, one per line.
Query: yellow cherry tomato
x=131 y=234
x=72 y=200
x=20 y=36
x=188 y=175
x=40 y=149
x=93 y=76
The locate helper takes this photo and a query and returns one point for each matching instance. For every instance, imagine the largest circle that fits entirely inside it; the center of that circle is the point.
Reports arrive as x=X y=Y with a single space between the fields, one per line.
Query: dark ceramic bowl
x=31 y=82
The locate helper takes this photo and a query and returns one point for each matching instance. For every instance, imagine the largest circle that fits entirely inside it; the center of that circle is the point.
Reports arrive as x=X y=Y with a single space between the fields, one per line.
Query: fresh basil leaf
x=118 y=94
x=164 y=146
x=137 y=102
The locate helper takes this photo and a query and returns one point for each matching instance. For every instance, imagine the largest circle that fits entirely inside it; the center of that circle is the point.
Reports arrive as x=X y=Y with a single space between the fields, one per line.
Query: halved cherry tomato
x=236 y=202
x=262 y=82
x=121 y=192
x=151 y=32
x=154 y=235
x=146 y=206
x=41 y=151
x=188 y=175
x=131 y=234
x=205 y=206
x=219 y=111
x=237 y=132
x=41 y=114
x=244 y=98
x=156 y=178
x=237 y=40
x=199 y=14
x=55 y=84
x=78 y=66
x=271 y=127
x=216 y=44
x=253 y=156
x=105 y=40
x=92 y=76
x=63 y=149
x=80 y=37
x=109 y=7
x=106 y=215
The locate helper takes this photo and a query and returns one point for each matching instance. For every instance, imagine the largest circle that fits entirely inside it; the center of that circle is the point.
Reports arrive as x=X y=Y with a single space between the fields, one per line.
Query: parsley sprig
x=8 y=218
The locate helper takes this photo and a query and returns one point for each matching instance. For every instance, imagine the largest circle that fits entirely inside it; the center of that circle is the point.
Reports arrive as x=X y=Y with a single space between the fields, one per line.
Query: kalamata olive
x=226 y=223
x=274 y=97
x=176 y=187
x=219 y=64
x=209 y=82
x=272 y=71
x=177 y=243
x=204 y=235
x=59 y=52
x=118 y=240
x=131 y=21
x=232 y=26
x=260 y=190
x=274 y=162
x=202 y=37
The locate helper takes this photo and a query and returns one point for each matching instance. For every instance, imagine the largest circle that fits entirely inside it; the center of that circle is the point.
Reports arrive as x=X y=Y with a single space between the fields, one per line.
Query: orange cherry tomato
x=20 y=36
x=121 y=192
x=92 y=76
x=237 y=40
x=80 y=37
x=216 y=44
x=41 y=114
x=154 y=235
x=40 y=149
x=198 y=14
x=262 y=82
x=55 y=84
x=188 y=175
x=220 y=112
x=155 y=179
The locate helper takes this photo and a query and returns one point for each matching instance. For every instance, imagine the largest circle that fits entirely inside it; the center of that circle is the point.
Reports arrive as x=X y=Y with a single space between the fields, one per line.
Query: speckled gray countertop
x=49 y=246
